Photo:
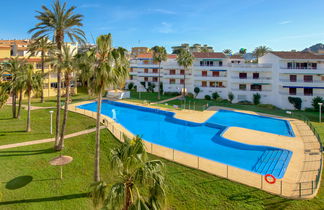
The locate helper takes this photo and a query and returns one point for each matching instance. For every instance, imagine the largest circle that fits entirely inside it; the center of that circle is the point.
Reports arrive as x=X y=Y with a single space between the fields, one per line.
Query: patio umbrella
x=61 y=161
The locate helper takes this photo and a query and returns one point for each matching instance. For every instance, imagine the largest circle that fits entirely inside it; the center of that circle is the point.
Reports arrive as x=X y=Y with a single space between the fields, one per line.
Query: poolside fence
x=297 y=190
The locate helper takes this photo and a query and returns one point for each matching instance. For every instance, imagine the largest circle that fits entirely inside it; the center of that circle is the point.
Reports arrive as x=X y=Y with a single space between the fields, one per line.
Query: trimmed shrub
x=190 y=95
x=130 y=86
x=197 y=90
x=267 y=106
x=231 y=97
x=215 y=95
x=315 y=102
x=207 y=97
x=245 y=102
x=256 y=98
x=296 y=102
x=171 y=93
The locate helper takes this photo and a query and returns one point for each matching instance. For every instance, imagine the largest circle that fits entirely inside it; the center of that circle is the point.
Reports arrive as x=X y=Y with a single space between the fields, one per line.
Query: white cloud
x=285 y=22
x=162 y=11
x=165 y=28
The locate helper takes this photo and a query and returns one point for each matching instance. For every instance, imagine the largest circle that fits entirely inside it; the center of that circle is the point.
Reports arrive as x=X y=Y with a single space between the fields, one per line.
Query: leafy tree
x=159 y=55
x=242 y=51
x=256 y=98
x=109 y=69
x=130 y=86
x=227 y=52
x=296 y=102
x=207 y=97
x=185 y=59
x=43 y=46
x=315 y=102
x=215 y=95
x=135 y=173
x=197 y=91
x=32 y=82
x=58 y=22
x=261 y=51
x=231 y=97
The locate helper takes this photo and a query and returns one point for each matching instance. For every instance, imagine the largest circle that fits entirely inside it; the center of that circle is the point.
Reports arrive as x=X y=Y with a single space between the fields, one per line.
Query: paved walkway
x=166 y=100
x=21 y=144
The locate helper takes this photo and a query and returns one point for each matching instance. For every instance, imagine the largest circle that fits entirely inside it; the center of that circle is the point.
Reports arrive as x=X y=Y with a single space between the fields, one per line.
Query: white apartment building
x=277 y=76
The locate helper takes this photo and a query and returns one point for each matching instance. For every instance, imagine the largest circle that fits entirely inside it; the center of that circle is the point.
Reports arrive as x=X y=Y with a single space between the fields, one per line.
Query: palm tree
x=42 y=46
x=185 y=59
x=59 y=21
x=13 y=66
x=32 y=82
x=129 y=163
x=242 y=51
x=84 y=69
x=159 y=55
x=67 y=63
x=227 y=51
x=261 y=51
x=109 y=69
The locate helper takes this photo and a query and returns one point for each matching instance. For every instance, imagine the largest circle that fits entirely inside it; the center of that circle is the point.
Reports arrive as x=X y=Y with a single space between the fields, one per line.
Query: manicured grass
x=13 y=130
x=51 y=101
x=146 y=96
x=186 y=188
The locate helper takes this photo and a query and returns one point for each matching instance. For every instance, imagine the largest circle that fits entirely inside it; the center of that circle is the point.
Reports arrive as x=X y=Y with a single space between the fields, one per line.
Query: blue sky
x=279 y=24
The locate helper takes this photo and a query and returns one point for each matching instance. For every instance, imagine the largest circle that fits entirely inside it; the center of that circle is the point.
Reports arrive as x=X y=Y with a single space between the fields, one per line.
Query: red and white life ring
x=269 y=178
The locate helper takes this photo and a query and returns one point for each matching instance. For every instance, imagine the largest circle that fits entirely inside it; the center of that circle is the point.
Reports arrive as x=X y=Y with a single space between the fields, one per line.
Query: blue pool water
x=201 y=139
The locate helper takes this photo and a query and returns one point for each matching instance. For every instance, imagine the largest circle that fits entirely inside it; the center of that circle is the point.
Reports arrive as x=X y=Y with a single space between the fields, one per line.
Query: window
x=308 y=78
x=215 y=73
x=201 y=63
x=145 y=70
x=131 y=70
x=131 y=77
x=54 y=85
x=256 y=87
x=220 y=63
x=145 y=79
x=172 y=72
x=322 y=78
x=243 y=75
x=211 y=63
x=242 y=86
x=219 y=84
x=182 y=72
x=293 y=78
x=212 y=84
x=203 y=84
x=155 y=79
x=308 y=91
x=314 y=65
x=172 y=81
x=255 y=75
x=289 y=65
x=155 y=71
x=182 y=81
x=204 y=73
x=292 y=91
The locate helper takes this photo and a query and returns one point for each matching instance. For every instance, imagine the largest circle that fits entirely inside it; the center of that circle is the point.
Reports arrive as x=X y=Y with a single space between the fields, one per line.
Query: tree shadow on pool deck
x=18 y=182
x=25 y=152
x=54 y=198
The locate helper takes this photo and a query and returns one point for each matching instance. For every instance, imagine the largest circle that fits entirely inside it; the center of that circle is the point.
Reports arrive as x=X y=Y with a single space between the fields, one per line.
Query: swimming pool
x=201 y=139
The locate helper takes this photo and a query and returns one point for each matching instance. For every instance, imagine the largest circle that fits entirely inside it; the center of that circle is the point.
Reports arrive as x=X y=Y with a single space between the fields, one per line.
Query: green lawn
x=13 y=130
x=51 y=101
x=29 y=182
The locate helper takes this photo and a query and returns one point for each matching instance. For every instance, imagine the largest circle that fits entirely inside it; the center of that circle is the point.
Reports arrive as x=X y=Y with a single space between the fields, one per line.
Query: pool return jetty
x=306 y=176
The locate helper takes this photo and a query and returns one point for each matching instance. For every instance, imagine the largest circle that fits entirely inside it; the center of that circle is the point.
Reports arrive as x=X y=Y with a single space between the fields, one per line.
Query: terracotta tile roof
x=236 y=57
x=209 y=55
x=150 y=55
x=172 y=56
x=296 y=55
x=4 y=47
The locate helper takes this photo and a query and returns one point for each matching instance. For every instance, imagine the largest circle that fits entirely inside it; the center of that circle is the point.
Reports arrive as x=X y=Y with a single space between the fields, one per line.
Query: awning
x=6 y=75
x=145 y=67
x=303 y=87
x=217 y=70
x=261 y=84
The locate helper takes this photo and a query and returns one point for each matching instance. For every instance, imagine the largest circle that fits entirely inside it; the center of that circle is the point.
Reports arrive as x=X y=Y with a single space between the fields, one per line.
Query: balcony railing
x=250 y=90
x=251 y=78
x=301 y=94
x=266 y=65
x=301 y=81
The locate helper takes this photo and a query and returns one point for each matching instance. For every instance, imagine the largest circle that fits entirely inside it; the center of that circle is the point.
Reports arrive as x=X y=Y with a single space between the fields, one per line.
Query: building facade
x=13 y=48
x=277 y=76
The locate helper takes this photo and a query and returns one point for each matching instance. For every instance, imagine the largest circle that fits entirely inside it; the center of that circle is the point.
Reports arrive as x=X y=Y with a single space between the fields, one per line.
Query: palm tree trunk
x=14 y=105
x=159 y=81
x=97 y=158
x=128 y=198
x=184 y=84
x=43 y=71
x=28 y=112
x=66 y=107
x=88 y=88
x=19 y=103
x=58 y=110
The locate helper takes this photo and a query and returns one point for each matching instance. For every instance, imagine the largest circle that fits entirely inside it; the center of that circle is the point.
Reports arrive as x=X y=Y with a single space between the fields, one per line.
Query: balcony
x=252 y=80
x=148 y=74
x=285 y=70
x=251 y=90
x=209 y=78
x=314 y=83
x=176 y=76
x=301 y=94
x=250 y=67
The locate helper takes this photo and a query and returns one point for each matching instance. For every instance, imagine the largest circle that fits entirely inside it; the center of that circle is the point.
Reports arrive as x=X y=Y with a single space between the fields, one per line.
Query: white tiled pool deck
x=303 y=167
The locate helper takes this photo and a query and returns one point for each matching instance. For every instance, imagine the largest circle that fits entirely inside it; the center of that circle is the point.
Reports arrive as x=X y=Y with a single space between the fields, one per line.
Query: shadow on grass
x=18 y=182
x=26 y=152
x=243 y=196
x=20 y=131
x=55 y=198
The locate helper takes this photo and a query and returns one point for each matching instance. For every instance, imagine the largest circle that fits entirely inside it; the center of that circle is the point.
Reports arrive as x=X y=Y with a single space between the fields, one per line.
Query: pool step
x=273 y=162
